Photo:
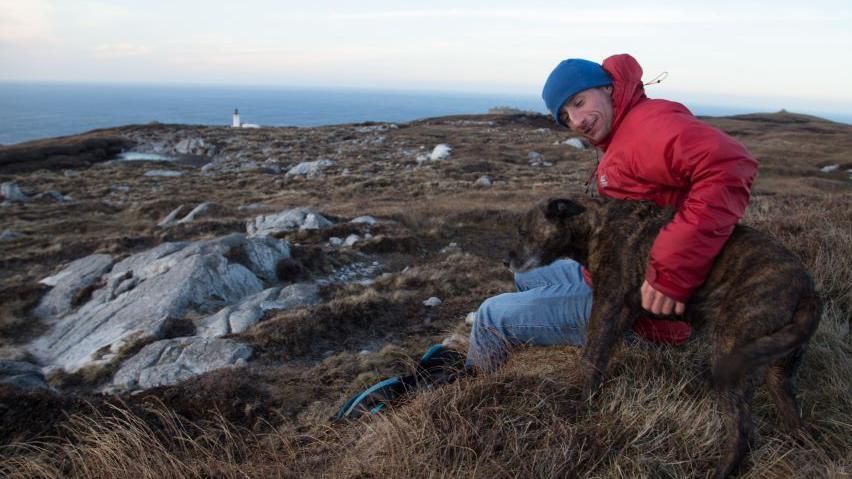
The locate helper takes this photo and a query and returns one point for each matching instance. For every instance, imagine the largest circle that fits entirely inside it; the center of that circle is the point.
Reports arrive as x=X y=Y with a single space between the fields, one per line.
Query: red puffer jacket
x=659 y=151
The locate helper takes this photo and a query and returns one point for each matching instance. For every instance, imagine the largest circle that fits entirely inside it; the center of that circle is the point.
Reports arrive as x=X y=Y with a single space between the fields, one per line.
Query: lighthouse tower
x=235 y=123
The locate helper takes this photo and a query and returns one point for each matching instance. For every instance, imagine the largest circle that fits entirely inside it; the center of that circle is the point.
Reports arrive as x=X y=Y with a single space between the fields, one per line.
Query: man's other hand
x=658 y=303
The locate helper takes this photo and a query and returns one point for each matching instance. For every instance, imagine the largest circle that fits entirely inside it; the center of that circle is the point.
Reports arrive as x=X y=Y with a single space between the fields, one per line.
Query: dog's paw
x=591 y=384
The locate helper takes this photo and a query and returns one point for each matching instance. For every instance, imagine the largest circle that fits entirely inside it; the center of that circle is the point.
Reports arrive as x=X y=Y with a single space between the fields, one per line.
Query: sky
x=788 y=54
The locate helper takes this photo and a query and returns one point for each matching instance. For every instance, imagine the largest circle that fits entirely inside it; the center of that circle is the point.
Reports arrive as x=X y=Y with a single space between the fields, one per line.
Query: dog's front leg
x=609 y=319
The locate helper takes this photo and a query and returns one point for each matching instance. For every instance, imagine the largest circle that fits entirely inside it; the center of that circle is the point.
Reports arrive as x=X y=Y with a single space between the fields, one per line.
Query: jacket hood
x=627 y=89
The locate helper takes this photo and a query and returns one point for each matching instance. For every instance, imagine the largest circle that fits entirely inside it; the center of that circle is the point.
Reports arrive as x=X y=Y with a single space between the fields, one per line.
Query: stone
x=288 y=220
x=365 y=220
x=170 y=218
x=470 y=318
x=432 y=302
x=535 y=158
x=440 y=152
x=238 y=318
x=55 y=196
x=171 y=361
x=22 y=375
x=452 y=248
x=335 y=241
x=312 y=222
x=575 y=142
x=194 y=146
x=484 y=181
x=69 y=283
x=9 y=235
x=351 y=240
x=10 y=191
x=164 y=173
x=196 y=212
x=293 y=296
x=310 y=168
x=147 y=292
x=829 y=168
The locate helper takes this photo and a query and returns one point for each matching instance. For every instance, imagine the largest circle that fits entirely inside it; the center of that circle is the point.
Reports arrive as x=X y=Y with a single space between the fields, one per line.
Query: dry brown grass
x=654 y=418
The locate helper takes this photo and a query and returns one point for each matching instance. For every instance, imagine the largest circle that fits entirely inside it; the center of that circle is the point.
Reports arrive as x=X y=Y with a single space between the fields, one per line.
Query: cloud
x=120 y=50
x=26 y=21
x=604 y=16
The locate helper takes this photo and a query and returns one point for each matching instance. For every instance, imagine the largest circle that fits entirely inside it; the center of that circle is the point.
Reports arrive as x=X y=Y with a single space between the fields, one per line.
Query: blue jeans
x=552 y=306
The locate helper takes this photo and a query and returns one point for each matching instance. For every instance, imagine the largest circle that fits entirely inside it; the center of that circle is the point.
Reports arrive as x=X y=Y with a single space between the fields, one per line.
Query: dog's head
x=549 y=231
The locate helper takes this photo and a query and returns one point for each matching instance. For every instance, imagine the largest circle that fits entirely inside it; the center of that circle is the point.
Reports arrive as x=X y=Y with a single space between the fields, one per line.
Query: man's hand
x=658 y=303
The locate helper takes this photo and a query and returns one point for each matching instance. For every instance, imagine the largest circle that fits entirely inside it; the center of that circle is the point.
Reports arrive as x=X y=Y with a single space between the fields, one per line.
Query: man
x=653 y=150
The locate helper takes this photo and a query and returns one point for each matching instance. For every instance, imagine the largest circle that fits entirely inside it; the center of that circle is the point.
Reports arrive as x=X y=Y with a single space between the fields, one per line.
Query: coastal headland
x=184 y=300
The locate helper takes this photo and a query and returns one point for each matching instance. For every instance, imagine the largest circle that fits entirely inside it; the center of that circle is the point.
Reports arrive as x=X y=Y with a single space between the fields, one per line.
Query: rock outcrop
x=173 y=360
x=288 y=220
x=310 y=168
x=144 y=294
x=22 y=374
x=238 y=318
x=70 y=284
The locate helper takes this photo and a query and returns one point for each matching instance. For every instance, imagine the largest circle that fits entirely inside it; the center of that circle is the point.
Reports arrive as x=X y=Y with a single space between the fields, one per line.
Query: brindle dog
x=758 y=303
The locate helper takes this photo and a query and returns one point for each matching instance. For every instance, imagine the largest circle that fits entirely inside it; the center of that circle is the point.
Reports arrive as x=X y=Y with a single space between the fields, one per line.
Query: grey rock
x=312 y=222
x=351 y=240
x=288 y=220
x=238 y=318
x=10 y=191
x=484 y=181
x=365 y=220
x=170 y=218
x=194 y=146
x=69 y=282
x=432 y=302
x=170 y=361
x=310 y=168
x=9 y=235
x=22 y=374
x=293 y=296
x=335 y=241
x=55 y=196
x=440 y=152
x=199 y=210
x=575 y=142
x=829 y=168
x=164 y=173
x=147 y=291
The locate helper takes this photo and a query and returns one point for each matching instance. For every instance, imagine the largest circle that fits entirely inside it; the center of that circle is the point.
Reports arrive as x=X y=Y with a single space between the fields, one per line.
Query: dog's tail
x=730 y=368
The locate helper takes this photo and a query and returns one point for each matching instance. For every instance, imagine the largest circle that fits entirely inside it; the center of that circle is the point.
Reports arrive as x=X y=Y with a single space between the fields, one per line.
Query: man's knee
x=490 y=314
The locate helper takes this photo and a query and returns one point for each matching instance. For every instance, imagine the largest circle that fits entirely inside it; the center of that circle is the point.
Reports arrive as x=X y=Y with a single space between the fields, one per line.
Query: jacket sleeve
x=719 y=172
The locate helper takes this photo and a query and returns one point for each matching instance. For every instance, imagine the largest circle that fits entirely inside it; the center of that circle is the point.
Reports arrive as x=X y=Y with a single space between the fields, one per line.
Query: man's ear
x=560 y=209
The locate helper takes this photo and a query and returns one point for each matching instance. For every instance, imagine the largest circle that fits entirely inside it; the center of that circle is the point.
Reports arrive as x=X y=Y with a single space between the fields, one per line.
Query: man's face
x=589 y=113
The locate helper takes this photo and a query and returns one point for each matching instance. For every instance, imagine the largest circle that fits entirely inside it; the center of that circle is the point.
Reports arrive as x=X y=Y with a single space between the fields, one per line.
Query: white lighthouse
x=235 y=122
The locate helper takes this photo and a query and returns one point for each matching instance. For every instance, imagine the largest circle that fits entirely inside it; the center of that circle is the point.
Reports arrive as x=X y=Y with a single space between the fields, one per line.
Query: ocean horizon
x=34 y=111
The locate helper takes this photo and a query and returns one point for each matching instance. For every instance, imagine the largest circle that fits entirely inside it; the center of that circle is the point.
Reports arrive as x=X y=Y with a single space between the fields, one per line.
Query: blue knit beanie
x=569 y=78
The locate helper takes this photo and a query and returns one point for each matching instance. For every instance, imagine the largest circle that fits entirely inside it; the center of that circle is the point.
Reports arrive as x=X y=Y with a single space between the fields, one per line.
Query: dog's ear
x=560 y=209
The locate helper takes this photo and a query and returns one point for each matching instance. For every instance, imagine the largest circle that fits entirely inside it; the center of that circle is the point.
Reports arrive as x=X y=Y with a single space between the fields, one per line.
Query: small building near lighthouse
x=236 y=123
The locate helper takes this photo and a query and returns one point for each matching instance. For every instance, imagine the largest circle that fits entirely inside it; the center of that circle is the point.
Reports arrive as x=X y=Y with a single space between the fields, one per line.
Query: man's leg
x=552 y=307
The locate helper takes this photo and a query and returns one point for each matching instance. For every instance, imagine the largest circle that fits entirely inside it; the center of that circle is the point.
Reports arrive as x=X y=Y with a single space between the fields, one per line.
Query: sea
x=30 y=111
